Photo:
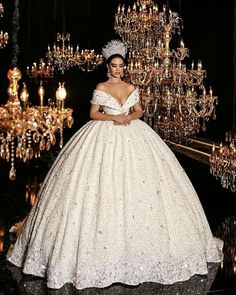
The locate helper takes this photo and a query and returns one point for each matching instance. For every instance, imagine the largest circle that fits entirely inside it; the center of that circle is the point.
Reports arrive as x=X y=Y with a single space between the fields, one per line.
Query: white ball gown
x=116 y=206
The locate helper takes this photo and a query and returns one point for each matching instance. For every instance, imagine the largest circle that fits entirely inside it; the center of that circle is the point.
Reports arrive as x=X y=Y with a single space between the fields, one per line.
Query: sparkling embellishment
x=110 y=211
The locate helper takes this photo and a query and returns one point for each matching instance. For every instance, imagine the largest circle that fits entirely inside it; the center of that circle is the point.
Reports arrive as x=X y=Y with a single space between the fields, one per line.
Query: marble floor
x=17 y=198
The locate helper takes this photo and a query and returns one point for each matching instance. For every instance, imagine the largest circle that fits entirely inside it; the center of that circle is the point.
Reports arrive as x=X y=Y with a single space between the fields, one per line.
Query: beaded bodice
x=111 y=106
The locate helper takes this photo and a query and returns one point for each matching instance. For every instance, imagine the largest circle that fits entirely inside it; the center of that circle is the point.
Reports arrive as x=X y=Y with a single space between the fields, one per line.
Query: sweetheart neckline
x=121 y=105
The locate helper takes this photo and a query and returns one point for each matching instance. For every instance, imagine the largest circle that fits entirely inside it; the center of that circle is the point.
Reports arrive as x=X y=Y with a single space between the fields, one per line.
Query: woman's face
x=116 y=67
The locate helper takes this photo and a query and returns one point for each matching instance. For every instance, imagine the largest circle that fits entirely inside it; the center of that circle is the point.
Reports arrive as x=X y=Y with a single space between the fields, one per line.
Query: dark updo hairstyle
x=110 y=58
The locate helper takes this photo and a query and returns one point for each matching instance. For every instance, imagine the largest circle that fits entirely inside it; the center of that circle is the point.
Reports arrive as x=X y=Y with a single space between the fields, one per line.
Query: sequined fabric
x=116 y=206
x=196 y=285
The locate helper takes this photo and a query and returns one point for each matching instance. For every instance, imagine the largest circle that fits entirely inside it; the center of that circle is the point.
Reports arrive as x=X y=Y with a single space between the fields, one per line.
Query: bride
x=116 y=206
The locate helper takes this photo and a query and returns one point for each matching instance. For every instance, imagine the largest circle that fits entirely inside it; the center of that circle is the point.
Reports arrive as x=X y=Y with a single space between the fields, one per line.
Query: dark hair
x=110 y=58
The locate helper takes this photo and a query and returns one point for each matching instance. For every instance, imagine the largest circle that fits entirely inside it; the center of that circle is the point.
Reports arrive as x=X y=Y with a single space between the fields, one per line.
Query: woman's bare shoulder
x=101 y=86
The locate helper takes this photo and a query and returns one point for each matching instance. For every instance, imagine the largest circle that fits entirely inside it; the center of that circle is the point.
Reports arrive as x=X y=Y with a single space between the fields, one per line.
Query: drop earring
x=108 y=72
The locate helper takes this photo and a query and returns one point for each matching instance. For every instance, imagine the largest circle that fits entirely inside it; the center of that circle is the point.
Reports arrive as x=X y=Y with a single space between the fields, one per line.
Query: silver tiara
x=114 y=47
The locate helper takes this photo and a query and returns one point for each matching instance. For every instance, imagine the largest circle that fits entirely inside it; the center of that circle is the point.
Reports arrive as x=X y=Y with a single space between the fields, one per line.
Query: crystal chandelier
x=61 y=57
x=139 y=26
x=87 y=60
x=176 y=103
x=41 y=71
x=26 y=131
x=4 y=37
x=223 y=162
x=64 y=57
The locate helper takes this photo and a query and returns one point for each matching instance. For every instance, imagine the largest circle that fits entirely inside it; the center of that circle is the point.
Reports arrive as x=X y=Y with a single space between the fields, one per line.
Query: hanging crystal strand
x=24 y=150
x=12 y=174
x=30 y=152
x=42 y=143
x=7 y=151
x=48 y=142
x=3 y=148
x=61 y=138
x=18 y=147
x=37 y=153
x=203 y=124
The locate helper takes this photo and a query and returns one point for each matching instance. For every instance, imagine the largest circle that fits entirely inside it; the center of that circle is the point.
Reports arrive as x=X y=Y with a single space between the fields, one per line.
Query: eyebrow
x=117 y=64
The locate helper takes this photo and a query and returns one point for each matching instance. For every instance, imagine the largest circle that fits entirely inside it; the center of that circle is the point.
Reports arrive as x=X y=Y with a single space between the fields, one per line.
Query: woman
x=116 y=206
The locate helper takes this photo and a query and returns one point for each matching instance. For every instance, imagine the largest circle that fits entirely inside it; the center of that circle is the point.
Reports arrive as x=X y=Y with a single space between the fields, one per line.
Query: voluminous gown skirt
x=116 y=206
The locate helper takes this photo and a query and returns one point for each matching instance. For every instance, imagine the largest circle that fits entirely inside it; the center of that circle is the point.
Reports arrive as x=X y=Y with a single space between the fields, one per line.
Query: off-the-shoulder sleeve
x=135 y=97
x=96 y=99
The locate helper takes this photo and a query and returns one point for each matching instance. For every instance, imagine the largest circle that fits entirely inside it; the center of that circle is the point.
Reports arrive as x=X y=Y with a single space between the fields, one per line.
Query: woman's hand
x=121 y=120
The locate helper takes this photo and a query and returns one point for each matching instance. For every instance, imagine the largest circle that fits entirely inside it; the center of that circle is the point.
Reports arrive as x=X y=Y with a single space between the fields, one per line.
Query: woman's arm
x=95 y=114
x=137 y=113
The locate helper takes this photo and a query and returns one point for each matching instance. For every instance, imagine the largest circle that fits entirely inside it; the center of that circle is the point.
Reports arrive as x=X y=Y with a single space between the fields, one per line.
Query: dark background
x=209 y=30
x=208 y=33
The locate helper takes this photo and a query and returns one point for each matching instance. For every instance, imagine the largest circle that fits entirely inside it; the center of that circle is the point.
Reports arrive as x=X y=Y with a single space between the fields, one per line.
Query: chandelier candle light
x=26 y=131
x=61 y=95
x=223 y=162
x=175 y=101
